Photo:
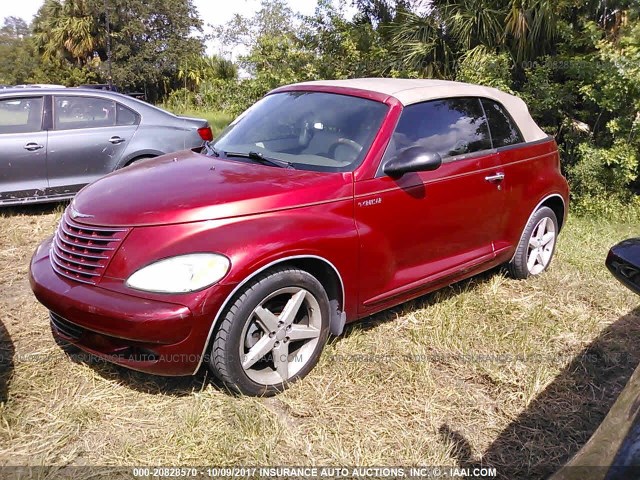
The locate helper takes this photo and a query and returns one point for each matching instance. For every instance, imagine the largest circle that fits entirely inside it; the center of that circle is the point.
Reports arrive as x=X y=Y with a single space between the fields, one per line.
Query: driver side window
x=449 y=127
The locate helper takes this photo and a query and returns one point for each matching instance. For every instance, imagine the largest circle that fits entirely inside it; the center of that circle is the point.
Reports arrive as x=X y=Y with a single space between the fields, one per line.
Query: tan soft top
x=410 y=91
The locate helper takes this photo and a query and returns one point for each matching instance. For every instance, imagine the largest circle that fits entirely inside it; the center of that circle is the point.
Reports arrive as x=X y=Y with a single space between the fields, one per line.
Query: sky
x=214 y=12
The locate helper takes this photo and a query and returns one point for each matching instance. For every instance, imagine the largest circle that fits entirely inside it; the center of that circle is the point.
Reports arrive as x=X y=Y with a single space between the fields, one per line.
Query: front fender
x=326 y=231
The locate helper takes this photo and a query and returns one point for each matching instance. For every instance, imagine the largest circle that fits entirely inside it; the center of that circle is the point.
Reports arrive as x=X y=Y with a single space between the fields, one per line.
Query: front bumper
x=151 y=336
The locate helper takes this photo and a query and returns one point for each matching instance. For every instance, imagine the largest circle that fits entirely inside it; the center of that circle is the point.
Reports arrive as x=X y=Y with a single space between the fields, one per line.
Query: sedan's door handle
x=32 y=147
x=498 y=177
x=116 y=140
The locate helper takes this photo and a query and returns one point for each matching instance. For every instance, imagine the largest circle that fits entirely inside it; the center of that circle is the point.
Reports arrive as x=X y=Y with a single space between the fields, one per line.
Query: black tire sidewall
x=238 y=317
x=521 y=257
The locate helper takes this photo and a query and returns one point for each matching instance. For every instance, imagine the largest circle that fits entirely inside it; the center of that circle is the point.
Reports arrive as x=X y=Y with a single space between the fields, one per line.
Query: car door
x=89 y=137
x=23 y=152
x=522 y=165
x=428 y=226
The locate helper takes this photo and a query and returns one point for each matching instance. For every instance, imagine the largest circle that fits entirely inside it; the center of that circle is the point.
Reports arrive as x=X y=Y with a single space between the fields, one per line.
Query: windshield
x=309 y=130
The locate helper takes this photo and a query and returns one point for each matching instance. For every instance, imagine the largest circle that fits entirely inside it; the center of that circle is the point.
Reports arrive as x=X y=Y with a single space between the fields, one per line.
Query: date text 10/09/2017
x=316 y=472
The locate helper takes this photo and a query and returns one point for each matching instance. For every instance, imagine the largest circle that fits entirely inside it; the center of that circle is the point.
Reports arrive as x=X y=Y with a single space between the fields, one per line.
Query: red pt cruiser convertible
x=323 y=203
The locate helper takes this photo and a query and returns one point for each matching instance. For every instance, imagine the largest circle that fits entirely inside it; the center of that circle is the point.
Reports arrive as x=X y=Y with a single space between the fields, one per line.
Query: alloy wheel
x=541 y=245
x=280 y=335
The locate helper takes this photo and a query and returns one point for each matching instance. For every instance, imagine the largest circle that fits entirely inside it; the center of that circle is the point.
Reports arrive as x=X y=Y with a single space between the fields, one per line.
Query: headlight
x=185 y=273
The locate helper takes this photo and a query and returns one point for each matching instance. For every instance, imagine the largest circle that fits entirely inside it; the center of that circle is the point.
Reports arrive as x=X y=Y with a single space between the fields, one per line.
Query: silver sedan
x=53 y=142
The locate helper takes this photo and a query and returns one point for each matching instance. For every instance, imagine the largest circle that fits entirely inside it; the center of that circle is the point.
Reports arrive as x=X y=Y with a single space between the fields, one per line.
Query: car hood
x=189 y=186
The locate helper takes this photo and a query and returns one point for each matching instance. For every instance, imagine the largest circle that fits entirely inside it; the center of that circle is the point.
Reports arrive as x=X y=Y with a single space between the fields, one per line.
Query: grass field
x=217 y=120
x=511 y=374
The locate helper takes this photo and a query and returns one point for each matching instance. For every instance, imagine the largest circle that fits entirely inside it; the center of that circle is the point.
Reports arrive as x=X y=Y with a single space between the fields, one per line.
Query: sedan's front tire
x=272 y=334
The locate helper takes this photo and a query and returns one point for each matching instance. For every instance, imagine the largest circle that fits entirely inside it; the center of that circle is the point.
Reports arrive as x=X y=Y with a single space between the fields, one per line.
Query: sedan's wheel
x=137 y=160
x=273 y=333
x=537 y=245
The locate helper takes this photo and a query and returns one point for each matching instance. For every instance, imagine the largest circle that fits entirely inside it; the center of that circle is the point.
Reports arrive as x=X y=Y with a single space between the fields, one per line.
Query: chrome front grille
x=82 y=252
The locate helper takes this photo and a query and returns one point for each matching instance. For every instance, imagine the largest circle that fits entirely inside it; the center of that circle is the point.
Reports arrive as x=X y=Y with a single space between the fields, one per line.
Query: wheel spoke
x=290 y=311
x=532 y=259
x=547 y=238
x=267 y=320
x=542 y=227
x=281 y=360
x=259 y=350
x=540 y=258
x=533 y=242
x=302 y=332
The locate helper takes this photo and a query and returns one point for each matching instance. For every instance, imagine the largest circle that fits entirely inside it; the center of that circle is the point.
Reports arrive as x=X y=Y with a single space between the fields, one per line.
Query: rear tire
x=272 y=334
x=537 y=245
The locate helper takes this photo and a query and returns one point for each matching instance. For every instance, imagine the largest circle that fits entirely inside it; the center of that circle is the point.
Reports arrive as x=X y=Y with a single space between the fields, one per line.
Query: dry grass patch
x=511 y=374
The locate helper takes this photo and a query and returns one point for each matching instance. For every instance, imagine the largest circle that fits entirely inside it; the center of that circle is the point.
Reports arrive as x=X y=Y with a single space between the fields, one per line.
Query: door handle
x=116 y=140
x=498 y=177
x=32 y=147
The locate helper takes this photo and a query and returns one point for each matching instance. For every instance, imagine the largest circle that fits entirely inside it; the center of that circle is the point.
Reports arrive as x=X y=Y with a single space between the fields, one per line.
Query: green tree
x=68 y=29
x=151 y=39
x=197 y=69
x=343 y=48
x=274 y=18
x=17 y=56
x=274 y=52
x=424 y=44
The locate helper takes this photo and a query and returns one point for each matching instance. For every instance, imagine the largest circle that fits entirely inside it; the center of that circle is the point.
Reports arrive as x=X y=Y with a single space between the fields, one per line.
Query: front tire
x=537 y=245
x=273 y=333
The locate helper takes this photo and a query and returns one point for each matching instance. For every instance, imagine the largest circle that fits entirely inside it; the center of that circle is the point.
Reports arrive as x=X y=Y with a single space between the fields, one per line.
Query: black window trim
x=524 y=142
x=48 y=113
x=508 y=114
x=486 y=119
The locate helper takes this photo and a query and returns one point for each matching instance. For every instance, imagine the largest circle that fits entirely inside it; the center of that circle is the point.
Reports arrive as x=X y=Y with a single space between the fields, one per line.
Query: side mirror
x=624 y=263
x=413 y=159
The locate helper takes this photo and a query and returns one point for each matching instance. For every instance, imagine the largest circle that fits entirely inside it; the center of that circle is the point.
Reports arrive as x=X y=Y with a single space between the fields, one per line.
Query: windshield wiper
x=211 y=150
x=259 y=157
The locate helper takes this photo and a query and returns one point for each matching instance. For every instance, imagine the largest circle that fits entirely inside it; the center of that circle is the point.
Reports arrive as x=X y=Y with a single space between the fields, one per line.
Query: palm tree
x=196 y=70
x=218 y=67
x=432 y=41
x=68 y=29
x=423 y=43
x=531 y=25
x=474 y=23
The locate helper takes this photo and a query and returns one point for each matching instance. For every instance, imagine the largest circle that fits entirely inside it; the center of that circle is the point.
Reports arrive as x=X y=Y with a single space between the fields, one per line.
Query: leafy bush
x=181 y=99
x=613 y=208
x=604 y=173
x=232 y=96
x=485 y=68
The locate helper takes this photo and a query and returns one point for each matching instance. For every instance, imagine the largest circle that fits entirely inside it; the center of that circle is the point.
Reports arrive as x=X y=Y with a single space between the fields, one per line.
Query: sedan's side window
x=450 y=127
x=503 y=129
x=71 y=113
x=126 y=116
x=21 y=115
